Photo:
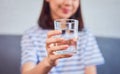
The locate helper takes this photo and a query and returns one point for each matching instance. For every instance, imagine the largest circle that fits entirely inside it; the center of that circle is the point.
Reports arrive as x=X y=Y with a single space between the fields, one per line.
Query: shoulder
x=86 y=36
x=34 y=30
x=85 y=32
x=35 y=33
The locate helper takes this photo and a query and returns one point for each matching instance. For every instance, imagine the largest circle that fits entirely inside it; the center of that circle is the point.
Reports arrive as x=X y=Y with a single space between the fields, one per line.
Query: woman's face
x=63 y=8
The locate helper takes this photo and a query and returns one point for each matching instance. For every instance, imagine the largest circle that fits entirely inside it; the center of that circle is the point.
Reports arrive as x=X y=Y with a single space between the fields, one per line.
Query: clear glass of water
x=69 y=29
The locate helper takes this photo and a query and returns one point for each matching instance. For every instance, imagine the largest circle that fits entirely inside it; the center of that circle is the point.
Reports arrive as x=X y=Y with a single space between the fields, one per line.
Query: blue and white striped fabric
x=33 y=50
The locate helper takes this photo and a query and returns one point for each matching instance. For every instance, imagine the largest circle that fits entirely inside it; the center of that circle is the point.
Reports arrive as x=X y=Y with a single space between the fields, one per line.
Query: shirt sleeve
x=28 y=52
x=92 y=54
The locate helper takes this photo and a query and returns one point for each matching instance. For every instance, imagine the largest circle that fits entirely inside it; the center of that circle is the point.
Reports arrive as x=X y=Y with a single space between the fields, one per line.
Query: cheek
x=76 y=6
x=55 y=6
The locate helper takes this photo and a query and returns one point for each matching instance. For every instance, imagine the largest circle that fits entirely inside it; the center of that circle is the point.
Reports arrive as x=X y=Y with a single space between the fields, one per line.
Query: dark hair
x=45 y=20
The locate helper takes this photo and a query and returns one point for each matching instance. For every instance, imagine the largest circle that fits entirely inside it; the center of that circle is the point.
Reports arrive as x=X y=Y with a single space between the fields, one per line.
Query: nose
x=68 y=2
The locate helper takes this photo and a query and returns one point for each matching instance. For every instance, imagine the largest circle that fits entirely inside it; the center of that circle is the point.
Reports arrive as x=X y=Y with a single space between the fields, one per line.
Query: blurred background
x=102 y=17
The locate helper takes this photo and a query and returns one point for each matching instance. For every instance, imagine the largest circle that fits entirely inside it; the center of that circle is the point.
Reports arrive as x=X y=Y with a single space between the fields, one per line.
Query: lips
x=65 y=10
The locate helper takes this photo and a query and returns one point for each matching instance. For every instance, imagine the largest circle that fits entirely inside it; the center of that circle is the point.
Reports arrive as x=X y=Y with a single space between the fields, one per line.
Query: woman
x=37 y=51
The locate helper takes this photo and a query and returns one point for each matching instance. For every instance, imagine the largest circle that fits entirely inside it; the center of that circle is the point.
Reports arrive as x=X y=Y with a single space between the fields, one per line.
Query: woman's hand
x=51 y=48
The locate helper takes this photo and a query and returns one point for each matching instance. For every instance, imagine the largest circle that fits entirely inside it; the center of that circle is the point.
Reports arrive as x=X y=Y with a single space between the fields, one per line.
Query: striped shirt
x=33 y=50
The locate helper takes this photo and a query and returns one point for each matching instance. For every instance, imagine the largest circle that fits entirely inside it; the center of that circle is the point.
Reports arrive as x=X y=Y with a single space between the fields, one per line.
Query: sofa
x=10 y=54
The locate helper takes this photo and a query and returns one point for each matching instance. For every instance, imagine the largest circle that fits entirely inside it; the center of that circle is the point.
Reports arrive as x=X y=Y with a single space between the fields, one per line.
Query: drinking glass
x=69 y=29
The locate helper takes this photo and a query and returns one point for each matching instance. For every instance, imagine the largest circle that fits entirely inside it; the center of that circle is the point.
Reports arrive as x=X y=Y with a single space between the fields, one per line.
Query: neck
x=55 y=16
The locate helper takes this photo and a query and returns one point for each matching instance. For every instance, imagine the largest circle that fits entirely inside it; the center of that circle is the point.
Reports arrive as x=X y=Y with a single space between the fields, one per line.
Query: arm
x=42 y=68
x=90 y=70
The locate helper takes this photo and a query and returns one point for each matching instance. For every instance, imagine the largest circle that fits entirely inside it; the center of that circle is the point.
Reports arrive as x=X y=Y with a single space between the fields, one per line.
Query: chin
x=65 y=16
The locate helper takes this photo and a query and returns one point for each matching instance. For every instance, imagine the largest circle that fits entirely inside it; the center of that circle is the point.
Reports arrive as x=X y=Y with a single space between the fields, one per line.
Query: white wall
x=18 y=15
x=101 y=16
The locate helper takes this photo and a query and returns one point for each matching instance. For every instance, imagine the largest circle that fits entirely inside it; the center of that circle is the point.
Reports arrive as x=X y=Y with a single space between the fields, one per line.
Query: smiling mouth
x=65 y=10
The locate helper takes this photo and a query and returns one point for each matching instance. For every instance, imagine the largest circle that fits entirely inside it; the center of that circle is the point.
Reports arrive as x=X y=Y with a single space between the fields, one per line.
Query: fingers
x=59 y=56
x=62 y=56
x=57 y=48
x=52 y=59
x=54 y=40
x=55 y=44
x=53 y=33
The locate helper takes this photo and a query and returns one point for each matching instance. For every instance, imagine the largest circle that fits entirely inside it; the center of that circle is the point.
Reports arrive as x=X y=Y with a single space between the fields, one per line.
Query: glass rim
x=56 y=20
